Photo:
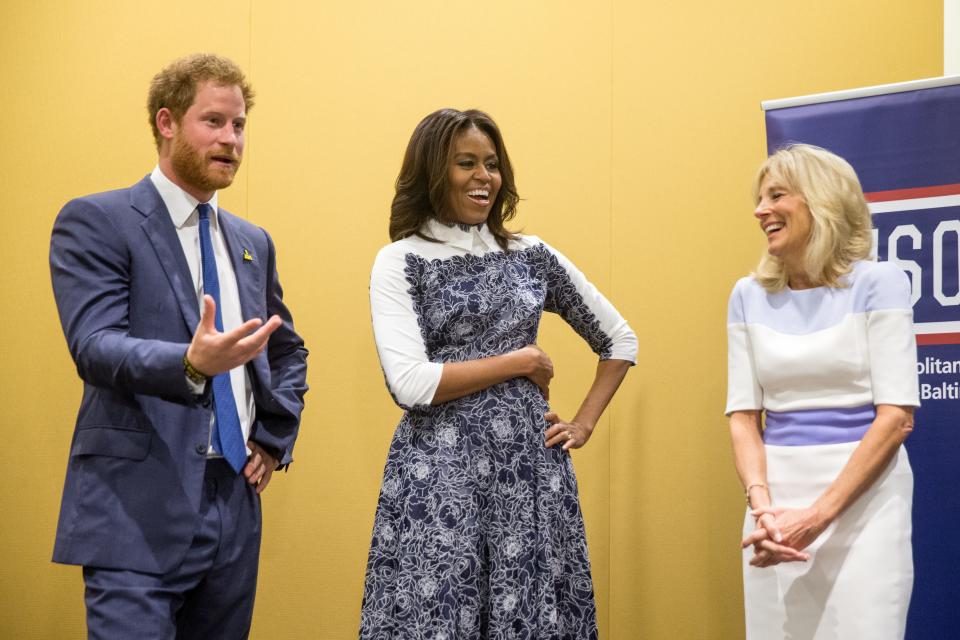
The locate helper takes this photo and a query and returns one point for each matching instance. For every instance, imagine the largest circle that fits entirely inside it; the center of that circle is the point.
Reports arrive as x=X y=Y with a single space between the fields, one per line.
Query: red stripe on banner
x=938 y=338
x=909 y=194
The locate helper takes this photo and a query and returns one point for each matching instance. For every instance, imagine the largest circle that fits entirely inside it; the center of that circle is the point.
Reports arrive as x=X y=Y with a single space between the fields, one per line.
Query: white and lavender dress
x=478 y=531
x=817 y=362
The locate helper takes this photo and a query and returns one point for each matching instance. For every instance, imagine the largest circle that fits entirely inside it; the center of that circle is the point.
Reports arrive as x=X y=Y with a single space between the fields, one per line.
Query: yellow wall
x=634 y=128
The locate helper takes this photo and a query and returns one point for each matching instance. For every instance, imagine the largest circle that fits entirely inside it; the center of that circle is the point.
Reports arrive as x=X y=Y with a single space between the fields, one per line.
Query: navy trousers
x=209 y=596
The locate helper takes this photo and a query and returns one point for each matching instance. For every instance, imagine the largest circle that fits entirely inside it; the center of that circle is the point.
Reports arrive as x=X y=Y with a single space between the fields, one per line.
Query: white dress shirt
x=182 y=208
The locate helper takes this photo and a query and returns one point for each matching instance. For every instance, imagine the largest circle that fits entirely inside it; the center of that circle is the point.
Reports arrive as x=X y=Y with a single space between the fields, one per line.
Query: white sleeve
x=890 y=338
x=744 y=392
x=410 y=376
x=584 y=308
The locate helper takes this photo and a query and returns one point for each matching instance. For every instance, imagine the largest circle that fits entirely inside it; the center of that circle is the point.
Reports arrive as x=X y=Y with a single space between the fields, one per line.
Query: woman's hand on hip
x=570 y=435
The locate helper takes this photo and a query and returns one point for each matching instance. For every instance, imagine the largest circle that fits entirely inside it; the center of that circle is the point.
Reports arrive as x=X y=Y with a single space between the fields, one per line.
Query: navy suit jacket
x=129 y=309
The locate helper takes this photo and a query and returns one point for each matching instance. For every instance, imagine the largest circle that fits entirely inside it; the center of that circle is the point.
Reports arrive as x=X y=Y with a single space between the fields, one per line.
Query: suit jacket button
x=201 y=448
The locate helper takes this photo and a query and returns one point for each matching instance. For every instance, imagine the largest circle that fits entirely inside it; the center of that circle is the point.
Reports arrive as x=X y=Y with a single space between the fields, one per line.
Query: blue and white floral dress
x=478 y=531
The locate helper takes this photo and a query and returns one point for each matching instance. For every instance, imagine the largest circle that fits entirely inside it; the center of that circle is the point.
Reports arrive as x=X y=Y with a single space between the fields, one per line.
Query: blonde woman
x=821 y=343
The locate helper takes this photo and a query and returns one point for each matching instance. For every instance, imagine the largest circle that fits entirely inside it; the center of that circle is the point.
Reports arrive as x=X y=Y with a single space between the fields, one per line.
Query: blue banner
x=905 y=147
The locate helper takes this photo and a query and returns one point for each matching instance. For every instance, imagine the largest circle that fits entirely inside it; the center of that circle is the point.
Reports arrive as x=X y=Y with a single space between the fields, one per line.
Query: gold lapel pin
x=246 y=255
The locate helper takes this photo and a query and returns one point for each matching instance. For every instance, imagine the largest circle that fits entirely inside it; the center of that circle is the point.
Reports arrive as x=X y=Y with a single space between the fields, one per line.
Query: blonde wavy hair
x=841 y=231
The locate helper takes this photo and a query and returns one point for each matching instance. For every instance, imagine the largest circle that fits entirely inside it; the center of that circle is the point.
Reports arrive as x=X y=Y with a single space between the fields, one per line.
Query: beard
x=196 y=169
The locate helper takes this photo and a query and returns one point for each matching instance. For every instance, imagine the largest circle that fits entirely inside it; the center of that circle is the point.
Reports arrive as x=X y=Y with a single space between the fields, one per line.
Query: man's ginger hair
x=175 y=87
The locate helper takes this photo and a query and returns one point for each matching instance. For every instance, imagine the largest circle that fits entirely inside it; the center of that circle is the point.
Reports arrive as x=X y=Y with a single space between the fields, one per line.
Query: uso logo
x=919 y=230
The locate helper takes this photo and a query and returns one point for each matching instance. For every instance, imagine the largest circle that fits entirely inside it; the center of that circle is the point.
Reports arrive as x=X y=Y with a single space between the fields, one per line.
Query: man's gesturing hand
x=211 y=352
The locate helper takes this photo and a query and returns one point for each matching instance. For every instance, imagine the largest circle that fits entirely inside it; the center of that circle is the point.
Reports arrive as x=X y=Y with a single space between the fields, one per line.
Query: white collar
x=179 y=203
x=460 y=235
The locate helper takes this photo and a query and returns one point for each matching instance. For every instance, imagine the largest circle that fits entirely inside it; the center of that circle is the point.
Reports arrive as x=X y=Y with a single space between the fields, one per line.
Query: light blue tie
x=227 y=434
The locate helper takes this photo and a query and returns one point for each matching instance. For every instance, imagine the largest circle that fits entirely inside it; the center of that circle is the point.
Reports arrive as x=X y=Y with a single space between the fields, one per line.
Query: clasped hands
x=782 y=534
x=212 y=352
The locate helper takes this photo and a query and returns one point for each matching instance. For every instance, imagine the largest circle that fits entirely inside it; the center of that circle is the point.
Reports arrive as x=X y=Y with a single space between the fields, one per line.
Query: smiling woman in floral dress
x=478 y=531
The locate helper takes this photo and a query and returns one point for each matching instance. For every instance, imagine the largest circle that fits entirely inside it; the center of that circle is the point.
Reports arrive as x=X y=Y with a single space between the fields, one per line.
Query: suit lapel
x=163 y=236
x=246 y=266
x=247 y=269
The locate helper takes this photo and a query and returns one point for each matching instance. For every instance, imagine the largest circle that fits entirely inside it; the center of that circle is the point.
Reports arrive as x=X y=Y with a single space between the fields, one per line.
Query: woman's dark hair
x=422 y=183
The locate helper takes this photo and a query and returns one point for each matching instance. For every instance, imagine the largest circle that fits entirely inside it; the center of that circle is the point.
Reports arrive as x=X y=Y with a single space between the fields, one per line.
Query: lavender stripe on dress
x=818 y=426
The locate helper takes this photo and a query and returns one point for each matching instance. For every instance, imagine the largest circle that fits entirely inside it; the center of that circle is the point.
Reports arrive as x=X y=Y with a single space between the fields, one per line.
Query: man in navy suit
x=193 y=375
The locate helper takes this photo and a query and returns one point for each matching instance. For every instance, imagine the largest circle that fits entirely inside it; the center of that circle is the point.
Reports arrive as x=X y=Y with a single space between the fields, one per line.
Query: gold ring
x=569 y=436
